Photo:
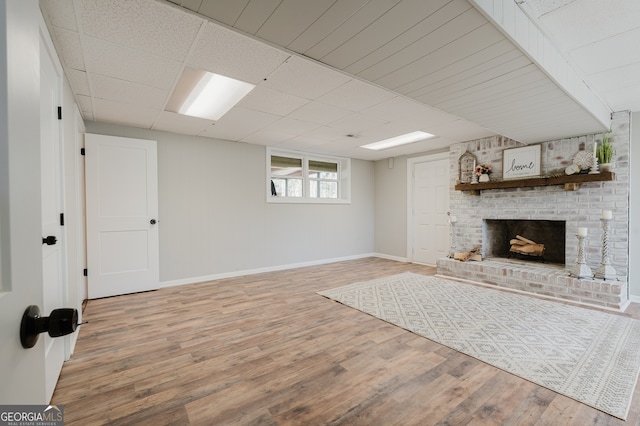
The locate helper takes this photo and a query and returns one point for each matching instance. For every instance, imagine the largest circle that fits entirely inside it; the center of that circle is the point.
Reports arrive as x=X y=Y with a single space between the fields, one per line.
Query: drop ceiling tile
x=611 y=53
x=542 y=7
x=292 y=126
x=305 y=78
x=458 y=130
x=78 y=81
x=580 y=23
x=385 y=131
x=116 y=61
x=272 y=101
x=316 y=112
x=86 y=107
x=124 y=114
x=145 y=25
x=60 y=13
x=239 y=123
x=321 y=135
x=69 y=48
x=297 y=144
x=356 y=123
x=181 y=124
x=217 y=51
x=117 y=90
x=626 y=99
x=356 y=95
x=404 y=110
x=267 y=137
x=617 y=78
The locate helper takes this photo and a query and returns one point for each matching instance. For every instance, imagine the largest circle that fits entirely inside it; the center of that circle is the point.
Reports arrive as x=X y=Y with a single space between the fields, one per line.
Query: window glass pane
x=288 y=187
x=323 y=170
x=286 y=166
x=323 y=189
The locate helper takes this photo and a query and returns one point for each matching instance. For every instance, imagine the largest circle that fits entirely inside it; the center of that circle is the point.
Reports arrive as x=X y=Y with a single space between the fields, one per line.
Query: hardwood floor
x=267 y=350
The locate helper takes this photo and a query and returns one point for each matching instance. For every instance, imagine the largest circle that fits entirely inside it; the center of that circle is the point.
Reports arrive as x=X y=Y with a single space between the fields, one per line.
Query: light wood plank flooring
x=267 y=350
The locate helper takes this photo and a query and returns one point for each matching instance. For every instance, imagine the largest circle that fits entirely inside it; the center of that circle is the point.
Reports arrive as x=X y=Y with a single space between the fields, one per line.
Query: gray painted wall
x=214 y=218
x=391 y=208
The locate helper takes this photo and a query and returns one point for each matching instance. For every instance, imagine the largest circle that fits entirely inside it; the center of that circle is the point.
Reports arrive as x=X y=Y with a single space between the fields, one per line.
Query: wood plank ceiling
x=330 y=75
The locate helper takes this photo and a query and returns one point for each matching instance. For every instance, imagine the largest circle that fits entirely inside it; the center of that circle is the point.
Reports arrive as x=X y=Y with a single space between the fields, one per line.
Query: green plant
x=605 y=151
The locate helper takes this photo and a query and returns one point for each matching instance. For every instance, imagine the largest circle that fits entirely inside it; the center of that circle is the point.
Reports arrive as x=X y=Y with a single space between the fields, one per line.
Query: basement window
x=294 y=177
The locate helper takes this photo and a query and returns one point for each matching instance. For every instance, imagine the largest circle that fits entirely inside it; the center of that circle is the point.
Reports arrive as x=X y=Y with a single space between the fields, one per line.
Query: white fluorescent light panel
x=214 y=95
x=399 y=140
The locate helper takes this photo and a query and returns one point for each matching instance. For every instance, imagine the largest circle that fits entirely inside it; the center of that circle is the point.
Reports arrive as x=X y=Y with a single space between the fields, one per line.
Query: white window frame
x=344 y=178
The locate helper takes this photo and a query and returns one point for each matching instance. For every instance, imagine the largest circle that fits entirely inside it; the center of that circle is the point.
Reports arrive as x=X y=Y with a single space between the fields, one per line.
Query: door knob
x=50 y=240
x=61 y=322
x=153 y=221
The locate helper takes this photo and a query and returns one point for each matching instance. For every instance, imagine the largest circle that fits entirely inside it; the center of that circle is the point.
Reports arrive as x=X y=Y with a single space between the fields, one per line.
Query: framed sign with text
x=521 y=162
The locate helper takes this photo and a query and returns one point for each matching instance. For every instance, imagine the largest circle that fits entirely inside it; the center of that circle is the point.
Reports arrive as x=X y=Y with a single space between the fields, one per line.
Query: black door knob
x=153 y=221
x=50 y=240
x=61 y=322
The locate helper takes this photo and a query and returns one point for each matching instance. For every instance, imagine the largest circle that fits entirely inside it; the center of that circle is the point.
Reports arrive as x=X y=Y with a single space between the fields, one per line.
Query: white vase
x=484 y=177
x=605 y=167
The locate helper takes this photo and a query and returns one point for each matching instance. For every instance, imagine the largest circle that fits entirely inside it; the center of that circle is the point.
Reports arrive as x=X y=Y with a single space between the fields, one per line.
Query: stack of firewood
x=473 y=254
x=522 y=245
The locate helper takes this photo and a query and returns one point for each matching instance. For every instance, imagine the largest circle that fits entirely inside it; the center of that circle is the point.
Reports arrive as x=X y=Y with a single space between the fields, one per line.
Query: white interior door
x=122 y=215
x=53 y=255
x=429 y=221
x=22 y=371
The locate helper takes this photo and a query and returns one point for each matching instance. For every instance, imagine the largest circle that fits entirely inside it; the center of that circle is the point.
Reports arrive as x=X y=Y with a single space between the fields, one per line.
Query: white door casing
x=122 y=215
x=53 y=256
x=428 y=221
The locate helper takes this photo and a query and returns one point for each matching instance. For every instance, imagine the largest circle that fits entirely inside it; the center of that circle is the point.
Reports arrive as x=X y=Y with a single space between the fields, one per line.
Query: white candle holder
x=605 y=271
x=452 y=239
x=594 y=166
x=581 y=269
x=474 y=178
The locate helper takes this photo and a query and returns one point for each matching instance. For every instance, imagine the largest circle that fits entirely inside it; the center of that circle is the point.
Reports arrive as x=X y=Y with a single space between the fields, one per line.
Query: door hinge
x=59 y=113
x=61 y=219
x=85 y=272
x=81 y=151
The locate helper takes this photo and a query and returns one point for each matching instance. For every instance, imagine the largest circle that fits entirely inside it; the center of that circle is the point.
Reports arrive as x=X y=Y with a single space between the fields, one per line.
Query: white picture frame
x=521 y=162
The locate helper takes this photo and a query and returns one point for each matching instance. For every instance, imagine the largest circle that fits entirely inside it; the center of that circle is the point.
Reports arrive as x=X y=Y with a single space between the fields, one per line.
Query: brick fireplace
x=477 y=214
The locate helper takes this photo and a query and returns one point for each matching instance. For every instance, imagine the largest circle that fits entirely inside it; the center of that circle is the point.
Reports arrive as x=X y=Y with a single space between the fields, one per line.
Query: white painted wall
x=214 y=218
x=634 y=208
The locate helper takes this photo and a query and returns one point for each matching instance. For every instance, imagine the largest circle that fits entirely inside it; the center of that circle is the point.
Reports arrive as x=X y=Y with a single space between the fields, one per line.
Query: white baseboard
x=389 y=257
x=635 y=299
x=194 y=280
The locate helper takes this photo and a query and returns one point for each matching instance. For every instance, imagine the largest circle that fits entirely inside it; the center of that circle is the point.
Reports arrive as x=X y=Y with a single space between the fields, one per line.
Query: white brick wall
x=581 y=208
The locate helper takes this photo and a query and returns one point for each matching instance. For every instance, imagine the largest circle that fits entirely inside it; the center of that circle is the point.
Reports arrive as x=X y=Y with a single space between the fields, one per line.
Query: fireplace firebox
x=497 y=236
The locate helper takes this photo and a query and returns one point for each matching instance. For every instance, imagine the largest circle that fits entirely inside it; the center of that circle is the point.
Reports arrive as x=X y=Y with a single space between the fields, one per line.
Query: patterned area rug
x=590 y=356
